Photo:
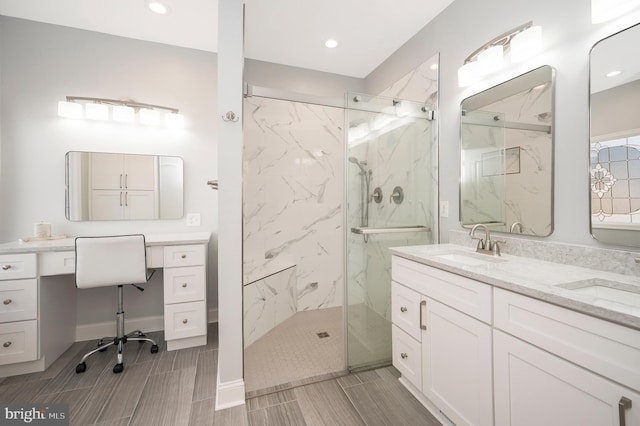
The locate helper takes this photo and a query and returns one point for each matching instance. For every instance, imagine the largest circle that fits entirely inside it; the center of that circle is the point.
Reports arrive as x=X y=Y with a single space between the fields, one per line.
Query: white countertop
x=535 y=278
x=68 y=244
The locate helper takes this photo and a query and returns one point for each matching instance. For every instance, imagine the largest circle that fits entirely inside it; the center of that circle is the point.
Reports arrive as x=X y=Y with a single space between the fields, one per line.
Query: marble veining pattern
x=293 y=195
x=405 y=156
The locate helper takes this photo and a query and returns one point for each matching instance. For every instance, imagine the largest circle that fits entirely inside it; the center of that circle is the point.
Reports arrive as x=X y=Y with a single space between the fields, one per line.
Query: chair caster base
x=118 y=368
x=81 y=368
x=154 y=349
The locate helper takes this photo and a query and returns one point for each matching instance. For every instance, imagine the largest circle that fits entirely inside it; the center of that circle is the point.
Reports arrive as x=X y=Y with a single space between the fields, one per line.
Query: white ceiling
x=290 y=32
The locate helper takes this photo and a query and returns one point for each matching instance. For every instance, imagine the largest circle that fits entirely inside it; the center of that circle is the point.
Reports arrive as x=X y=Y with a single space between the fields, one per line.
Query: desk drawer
x=18 y=300
x=16 y=266
x=185 y=320
x=57 y=263
x=191 y=255
x=18 y=342
x=184 y=284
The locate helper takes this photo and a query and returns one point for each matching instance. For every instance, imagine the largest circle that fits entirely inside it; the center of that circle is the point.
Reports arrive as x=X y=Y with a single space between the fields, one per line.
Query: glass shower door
x=390 y=196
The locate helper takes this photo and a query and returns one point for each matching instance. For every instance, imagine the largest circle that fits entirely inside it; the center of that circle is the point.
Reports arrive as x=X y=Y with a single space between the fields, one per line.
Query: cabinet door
x=534 y=387
x=139 y=205
x=139 y=172
x=107 y=205
x=456 y=366
x=106 y=171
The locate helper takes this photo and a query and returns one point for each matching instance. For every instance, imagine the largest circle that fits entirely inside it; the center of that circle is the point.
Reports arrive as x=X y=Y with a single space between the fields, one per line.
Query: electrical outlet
x=444 y=209
x=193 y=219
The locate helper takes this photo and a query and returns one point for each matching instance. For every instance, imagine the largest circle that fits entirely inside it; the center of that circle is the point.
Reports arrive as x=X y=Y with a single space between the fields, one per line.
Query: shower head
x=355 y=161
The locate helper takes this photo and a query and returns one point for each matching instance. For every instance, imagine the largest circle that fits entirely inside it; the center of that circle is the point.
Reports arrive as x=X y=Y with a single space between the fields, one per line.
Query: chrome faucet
x=513 y=227
x=486 y=245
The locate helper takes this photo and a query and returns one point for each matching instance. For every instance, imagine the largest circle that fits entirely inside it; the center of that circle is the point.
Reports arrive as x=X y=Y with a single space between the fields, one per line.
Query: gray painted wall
x=41 y=64
x=615 y=110
x=568 y=36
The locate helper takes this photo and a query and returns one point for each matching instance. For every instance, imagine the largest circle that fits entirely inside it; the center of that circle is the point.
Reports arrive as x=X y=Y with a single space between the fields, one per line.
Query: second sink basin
x=612 y=291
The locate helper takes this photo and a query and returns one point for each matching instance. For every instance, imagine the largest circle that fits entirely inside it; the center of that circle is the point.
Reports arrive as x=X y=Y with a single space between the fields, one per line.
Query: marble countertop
x=547 y=281
x=68 y=244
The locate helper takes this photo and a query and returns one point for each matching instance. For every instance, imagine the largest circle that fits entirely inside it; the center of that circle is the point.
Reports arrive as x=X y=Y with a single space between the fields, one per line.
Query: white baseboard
x=229 y=394
x=108 y=328
x=147 y=324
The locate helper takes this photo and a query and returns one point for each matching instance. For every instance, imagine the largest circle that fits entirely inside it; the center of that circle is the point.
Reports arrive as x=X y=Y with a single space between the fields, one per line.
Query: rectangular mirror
x=615 y=139
x=506 y=157
x=115 y=186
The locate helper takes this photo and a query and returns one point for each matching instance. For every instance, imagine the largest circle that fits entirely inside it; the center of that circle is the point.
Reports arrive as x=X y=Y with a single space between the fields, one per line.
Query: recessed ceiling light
x=331 y=43
x=157 y=7
x=613 y=73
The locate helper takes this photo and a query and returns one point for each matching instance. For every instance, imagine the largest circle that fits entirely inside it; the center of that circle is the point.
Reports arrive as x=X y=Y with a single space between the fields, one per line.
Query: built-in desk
x=38 y=306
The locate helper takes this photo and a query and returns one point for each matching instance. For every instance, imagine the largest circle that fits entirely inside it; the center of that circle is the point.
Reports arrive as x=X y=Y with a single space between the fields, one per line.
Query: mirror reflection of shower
x=365 y=183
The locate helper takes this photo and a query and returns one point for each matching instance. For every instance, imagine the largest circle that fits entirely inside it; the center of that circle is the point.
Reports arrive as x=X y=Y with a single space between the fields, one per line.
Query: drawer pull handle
x=6 y=344
x=404 y=355
x=6 y=267
x=184 y=321
x=184 y=285
x=403 y=309
x=184 y=256
x=7 y=301
x=422 y=326
x=623 y=405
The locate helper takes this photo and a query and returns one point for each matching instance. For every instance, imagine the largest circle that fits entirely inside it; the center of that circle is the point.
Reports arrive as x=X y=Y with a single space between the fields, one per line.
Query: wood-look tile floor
x=178 y=388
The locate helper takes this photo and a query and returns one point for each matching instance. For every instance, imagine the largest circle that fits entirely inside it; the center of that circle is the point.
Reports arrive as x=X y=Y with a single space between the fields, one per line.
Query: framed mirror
x=116 y=186
x=614 y=143
x=506 y=156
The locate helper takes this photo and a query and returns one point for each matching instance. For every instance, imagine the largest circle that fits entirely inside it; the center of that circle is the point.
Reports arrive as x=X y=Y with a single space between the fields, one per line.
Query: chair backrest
x=108 y=261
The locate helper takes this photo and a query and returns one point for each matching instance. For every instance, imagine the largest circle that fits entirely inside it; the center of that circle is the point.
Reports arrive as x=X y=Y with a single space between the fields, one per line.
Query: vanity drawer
x=407 y=356
x=15 y=266
x=185 y=320
x=463 y=294
x=18 y=300
x=18 y=342
x=191 y=255
x=405 y=310
x=184 y=284
x=606 y=348
x=57 y=263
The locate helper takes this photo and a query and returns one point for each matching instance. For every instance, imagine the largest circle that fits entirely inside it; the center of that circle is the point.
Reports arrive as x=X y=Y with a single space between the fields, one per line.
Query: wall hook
x=230 y=116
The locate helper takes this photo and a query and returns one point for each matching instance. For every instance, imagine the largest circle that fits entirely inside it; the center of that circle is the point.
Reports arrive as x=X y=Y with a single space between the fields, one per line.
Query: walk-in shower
x=310 y=217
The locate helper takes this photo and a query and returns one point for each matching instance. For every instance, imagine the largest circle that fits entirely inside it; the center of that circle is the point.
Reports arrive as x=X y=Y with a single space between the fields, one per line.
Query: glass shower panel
x=390 y=194
x=484 y=164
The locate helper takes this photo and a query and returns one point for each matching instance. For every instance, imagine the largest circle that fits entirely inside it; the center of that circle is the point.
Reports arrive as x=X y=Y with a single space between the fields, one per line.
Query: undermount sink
x=612 y=291
x=468 y=258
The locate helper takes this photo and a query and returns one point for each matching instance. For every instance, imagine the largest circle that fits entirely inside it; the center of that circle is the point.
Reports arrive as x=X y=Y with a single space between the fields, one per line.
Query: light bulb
x=70 y=109
x=150 y=117
x=123 y=113
x=96 y=111
x=173 y=120
x=526 y=44
x=491 y=59
x=469 y=74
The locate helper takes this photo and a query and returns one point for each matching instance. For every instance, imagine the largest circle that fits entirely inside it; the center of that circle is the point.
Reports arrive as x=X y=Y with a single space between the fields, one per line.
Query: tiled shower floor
x=293 y=351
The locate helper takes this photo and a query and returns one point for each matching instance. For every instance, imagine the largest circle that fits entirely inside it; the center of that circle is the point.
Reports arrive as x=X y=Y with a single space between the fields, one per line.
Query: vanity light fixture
x=125 y=111
x=522 y=43
x=605 y=10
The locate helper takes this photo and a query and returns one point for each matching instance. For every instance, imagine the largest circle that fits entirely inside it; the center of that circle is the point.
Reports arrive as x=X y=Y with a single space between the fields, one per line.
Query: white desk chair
x=111 y=261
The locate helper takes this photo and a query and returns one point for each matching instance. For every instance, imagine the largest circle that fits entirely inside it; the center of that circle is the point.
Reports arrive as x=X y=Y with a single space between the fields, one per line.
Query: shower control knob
x=184 y=321
x=184 y=285
x=404 y=355
x=403 y=309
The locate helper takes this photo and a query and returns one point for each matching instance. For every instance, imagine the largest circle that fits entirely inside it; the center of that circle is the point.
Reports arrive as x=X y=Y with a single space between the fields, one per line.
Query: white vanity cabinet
x=18 y=308
x=559 y=367
x=442 y=341
x=185 y=310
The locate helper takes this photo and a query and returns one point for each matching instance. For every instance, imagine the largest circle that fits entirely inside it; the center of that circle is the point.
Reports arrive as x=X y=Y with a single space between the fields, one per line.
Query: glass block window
x=615 y=181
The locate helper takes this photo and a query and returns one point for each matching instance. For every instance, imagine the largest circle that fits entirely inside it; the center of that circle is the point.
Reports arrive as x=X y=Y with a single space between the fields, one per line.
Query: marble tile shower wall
x=404 y=157
x=292 y=201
